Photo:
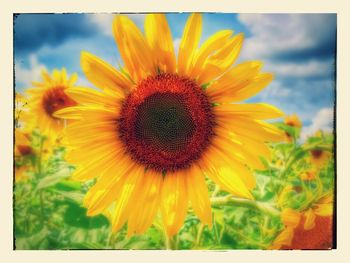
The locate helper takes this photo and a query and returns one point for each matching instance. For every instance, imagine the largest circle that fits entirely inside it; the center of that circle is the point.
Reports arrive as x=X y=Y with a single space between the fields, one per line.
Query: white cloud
x=277 y=33
x=323 y=120
x=312 y=68
x=25 y=76
x=274 y=91
x=103 y=22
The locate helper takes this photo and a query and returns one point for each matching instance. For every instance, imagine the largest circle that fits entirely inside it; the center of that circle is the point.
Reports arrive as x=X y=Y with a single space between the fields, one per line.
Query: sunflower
x=308 y=175
x=22 y=151
x=319 y=158
x=292 y=131
x=158 y=126
x=311 y=228
x=293 y=121
x=47 y=97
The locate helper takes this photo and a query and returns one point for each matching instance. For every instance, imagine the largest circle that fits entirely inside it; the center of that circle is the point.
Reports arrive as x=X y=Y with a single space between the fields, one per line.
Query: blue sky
x=298 y=48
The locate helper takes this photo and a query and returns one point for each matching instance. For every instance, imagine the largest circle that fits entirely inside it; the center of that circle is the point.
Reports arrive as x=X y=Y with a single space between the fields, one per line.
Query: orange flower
x=46 y=97
x=22 y=149
x=308 y=175
x=21 y=173
x=320 y=236
x=309 y=229
x=319 y=158
x=293 y=120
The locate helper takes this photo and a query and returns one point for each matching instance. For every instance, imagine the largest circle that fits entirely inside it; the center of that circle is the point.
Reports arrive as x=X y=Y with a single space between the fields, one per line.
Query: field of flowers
x=292 y=206
x=162 y=154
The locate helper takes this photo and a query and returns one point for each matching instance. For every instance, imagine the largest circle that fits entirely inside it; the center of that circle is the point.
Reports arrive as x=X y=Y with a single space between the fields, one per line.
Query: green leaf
x=53 y=179
x=75 y=215
x=32 y=242
x=67 y=185
x=76 y=197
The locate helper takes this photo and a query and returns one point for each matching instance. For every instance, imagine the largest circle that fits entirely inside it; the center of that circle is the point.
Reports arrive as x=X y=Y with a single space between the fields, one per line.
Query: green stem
x=167 y=241
x=199 y=235
x=42 y=214
x=230 y=200
x=216 y=190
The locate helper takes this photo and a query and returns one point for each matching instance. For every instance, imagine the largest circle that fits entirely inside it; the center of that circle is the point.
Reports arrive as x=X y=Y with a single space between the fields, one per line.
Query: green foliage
x=48 y=209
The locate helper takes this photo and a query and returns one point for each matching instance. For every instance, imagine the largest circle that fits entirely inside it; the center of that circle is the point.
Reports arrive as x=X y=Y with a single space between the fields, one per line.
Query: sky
x=299 y=49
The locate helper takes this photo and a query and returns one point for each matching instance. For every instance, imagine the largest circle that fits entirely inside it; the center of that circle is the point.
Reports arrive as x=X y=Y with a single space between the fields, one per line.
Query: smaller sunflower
x=22 y=150
x=47 y=97
x=293 y=121
x=319 y=158
x=22 y=144
x=307 y=229
x=293 y=127
x=308 y=175
x=290 y=219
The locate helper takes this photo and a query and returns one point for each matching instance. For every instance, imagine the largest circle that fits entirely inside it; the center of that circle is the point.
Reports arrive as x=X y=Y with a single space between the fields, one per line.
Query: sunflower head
x=22 y=144
x=23 y=150
x=304 y=230
x=293 y=121
x=156 y=128
x=47 y=97
x=319 y=157
x=172 y=124
x=21 y=173
x=308 y=175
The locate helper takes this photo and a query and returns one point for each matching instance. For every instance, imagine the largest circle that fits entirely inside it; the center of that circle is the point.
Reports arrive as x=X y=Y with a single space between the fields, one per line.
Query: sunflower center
x=316 y=153
x=166 y=122
x=24 y=149
x=55 y=99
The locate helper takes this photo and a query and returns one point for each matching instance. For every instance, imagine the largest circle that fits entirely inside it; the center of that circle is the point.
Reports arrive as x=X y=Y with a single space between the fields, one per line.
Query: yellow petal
x=290 y=217
x=103 y=75
x=324 y=206
x=220 y=170
x=126 y=198
x=146 y=208
x=251 y=129
x=159 y=38
x=46 y=76
x=237 y=150
x=56 y=76
x=284 y=238
x=174 y=202
x=89 y=96
x=257 y=147
x=212 y=44
x=189 y=42
x=198 y=194
x=95 y=166
x=259 y=111
x=324 y=209
x=21 y=138
x=221 y=61
x=236 y=159
x=63 y=76
x=239 y=75
x=134 y=49
x=309 y=219
x=73 y=78
x=112 y=178
x=98 y=199
x=244 y=90
x=80 y=112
